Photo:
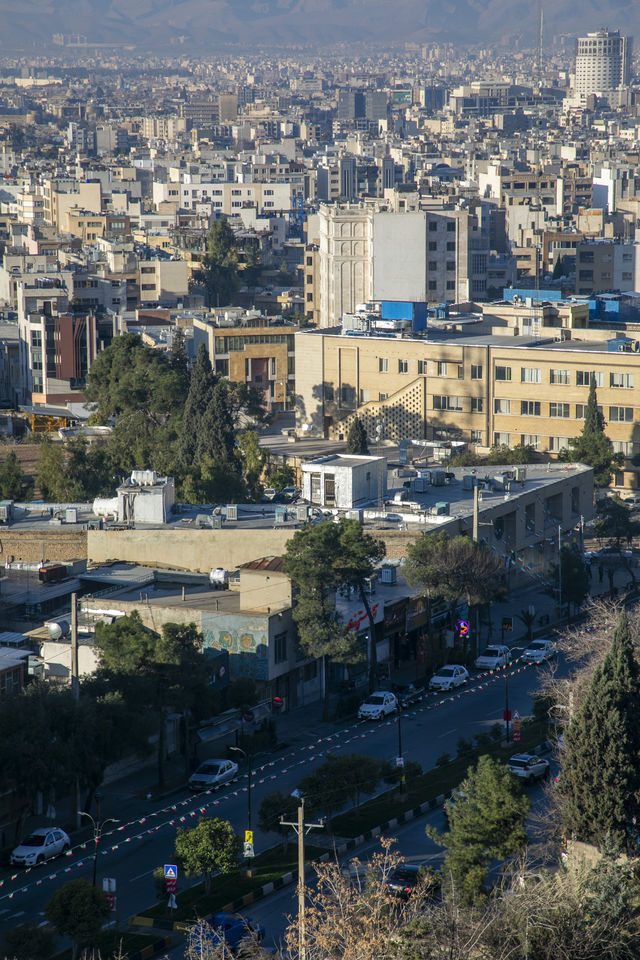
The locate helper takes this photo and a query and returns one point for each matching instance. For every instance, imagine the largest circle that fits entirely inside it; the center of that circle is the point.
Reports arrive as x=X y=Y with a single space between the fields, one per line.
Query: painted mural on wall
x=245 y=639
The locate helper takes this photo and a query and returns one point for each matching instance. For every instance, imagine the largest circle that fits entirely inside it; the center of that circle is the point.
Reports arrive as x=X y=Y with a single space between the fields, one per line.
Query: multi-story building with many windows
x=525 y=382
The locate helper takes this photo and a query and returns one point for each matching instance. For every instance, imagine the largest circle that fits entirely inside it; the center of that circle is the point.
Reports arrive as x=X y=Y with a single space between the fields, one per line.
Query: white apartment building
x=603 y=60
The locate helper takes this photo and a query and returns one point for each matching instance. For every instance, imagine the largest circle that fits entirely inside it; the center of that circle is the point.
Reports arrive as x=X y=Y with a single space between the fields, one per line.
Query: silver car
x=528 y=767
x=212 y=774
x=43 y=844
x=453 y=675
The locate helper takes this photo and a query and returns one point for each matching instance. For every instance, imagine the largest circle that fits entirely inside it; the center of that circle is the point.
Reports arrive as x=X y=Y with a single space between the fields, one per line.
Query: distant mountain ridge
x=211 y=24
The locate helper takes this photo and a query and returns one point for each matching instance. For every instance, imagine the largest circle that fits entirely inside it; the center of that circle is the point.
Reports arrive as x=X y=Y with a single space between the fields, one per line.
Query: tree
x=283 y=476
x=358 y=554
x=339 y=779
x=198 y=397
x=77 y=910
x=222 y=278
x=208 y=848
x=593 y=446
x=574 y=576
x=11 y=478
x=613 y=522
x=254 y=460
x=599 y=788
x=487 y=823
x=309 y=561
x=217 y=436
x=357 y=441
x=279 y=805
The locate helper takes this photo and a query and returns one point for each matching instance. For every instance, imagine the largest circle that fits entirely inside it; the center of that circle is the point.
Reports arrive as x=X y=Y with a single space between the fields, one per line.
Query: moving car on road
x=539 y=650
x=212 y=774
x=404 y=880
x=528 y=767
x=378 y=705
x=494 y=657
x=453 y=675
x=43 y=844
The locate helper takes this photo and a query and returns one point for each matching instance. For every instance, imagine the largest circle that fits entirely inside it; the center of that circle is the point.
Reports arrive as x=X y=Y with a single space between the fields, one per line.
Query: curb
x=152 y=950
x=292 y=876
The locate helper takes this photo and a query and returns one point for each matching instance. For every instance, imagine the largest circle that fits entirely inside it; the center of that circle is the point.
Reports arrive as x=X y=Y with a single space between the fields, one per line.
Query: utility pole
x=476 y=511
x=75 y=682
x=301 y=828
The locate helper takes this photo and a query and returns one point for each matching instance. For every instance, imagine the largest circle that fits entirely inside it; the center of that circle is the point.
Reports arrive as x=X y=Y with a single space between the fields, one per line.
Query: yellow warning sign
x=248 y=836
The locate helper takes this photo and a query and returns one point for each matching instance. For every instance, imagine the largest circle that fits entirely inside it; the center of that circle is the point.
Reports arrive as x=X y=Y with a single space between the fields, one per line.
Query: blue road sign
x=170 y=871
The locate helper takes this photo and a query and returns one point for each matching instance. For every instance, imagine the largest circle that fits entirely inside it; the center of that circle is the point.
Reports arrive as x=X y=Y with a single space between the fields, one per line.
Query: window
x=403 y=366
x=621 y=414
x=447 y=403
x=383 y=365
x=502 y=439
x=477 y=404
x=280 y=647
x=559 y=377
x=451 y=284
x=422 y=367
x=621 y=380
x=477 y=436
x=382 y=396
x=451 y=265
x=529 y=408
x=581 y=409
x=451 y=226
x=623 y=446
x=530 y=375
x=585 y=275
x=559 y=410
x=441 y=369
x=476 y=371
x=364 y=396
x=530 y=517
x=433 y=245
x=503 y=373
x=329 y=488
x=433 y=265
x=433 y=226
x=433 y=285
x=530 y=440
x=501 y=406
x=583 y=378
x=316 y=488
x=451 y=247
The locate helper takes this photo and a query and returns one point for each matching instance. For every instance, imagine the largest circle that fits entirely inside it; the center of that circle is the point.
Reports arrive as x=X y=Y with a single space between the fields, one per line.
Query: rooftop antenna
x=539 y=263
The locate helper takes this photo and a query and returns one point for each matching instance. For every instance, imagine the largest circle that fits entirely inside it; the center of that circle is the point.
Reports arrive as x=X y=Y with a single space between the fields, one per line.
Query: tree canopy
x=486 y=823
x=599 y=786
x=210 y=847
x=357 y=440
x=222 y=277
x=593 y=446
x=77 y=910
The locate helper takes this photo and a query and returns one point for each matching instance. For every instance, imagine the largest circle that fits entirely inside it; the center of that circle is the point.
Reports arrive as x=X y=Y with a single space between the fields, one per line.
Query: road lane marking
x=141 y=875
x=441 y=735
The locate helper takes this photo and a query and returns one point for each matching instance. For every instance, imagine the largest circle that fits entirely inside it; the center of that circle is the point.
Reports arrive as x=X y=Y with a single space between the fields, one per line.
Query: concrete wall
x=197 y=550
x=42 y=544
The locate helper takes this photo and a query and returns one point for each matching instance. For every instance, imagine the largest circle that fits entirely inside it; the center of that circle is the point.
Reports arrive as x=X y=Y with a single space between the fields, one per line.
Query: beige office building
x=525 y=382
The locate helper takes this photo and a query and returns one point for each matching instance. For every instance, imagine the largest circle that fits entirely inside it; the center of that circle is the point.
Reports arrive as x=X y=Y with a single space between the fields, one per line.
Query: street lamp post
x=98 y=826
x=246 y=757
x=400 y=757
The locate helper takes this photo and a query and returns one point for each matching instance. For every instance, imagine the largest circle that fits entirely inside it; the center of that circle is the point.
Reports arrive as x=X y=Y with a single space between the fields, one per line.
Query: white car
x=380 y=704
x=453 y=675
x=495 y=656
x=528 y=767
x=43 y=844
x=212 y=774
x=539 y=650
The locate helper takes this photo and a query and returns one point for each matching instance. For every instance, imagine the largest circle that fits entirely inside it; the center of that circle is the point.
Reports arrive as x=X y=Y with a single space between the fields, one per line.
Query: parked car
x=404 y=880
x=495 y=656
x=290 y=494
x=408 y=693
x=378 y=705
x=269 y=494
x=453 y=675
x=43 y=844
x=539 y=650
x=528 y=767
x=212 y=774
x=226 y=930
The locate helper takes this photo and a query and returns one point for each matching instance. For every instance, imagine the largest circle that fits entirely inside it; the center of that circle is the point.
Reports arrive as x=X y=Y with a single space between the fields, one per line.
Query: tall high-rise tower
x=603 y=63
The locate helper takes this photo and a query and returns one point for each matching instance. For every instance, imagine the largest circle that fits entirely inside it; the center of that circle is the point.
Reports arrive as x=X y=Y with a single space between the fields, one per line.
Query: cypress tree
x=600 y=781
x=198 y=398
x=593 y=446
x=217 y=437
x=357 y=441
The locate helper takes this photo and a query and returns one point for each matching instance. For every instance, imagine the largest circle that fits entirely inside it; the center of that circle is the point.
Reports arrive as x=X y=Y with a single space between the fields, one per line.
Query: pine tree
x=198 y=399
x=357 y=440
x=599 y=787
x=593 y=446
x=217 y=435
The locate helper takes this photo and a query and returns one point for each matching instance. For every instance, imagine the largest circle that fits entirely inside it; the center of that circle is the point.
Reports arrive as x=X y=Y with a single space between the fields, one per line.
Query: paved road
x=131 y=852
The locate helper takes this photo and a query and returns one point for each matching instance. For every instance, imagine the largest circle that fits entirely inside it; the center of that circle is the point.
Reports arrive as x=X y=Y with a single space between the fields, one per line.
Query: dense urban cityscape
x=318 y=605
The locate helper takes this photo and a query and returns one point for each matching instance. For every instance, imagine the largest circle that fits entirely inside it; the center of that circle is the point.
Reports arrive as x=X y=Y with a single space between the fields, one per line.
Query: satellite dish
x=58 y=629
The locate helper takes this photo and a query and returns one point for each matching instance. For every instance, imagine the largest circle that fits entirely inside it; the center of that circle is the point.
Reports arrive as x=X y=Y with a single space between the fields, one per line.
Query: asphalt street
x=130 y=851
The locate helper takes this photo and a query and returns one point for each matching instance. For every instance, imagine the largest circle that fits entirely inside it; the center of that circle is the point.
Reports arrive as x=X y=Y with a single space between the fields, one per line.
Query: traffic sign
x=171 y=885
x=248 y=836
x=248 y=850
x=111 y=897
x=170 y=871
x=399 y=761
x=516 y=726
x=462 y=626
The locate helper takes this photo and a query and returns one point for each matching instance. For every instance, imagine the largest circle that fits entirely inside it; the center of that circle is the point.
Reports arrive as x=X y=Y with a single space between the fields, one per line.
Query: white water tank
x=105 y=507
